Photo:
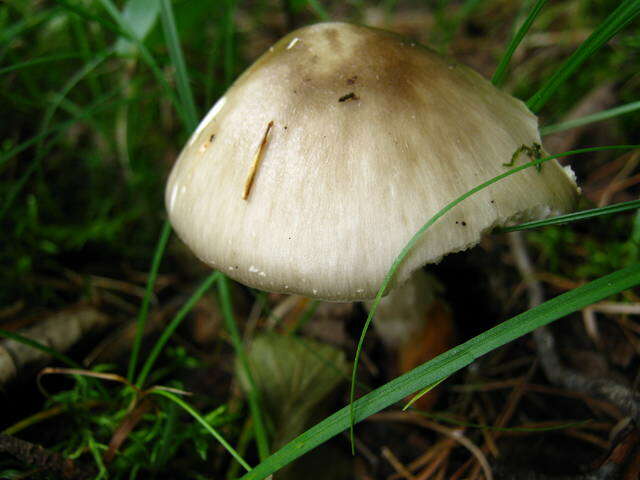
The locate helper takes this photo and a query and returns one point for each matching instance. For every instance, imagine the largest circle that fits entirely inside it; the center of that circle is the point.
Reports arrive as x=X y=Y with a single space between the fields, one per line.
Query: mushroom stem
x=403 y=312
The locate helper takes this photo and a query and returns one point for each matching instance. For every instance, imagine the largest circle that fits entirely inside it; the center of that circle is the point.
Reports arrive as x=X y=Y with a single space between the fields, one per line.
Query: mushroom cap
x=357 y=137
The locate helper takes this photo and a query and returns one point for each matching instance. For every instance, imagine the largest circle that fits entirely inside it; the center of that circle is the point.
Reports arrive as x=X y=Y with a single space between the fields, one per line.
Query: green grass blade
x=87 y=15
x=143 y=313
x=14 y=30
x=421 y=394
x=169 y=329
x=19 y=184
x=618 y=19
x=177 y=58
x=319 y=10
x=99 y=105
x=260 y=431
x=228 y=40
x=110 y=7
x=61 y=357
x=39 y=346
x=192 y=411
x=443 y=211
x=575 y=217
x=596 y=117
x=448 y=363
x=501 y=71
x=71 y=83
x=38 y=61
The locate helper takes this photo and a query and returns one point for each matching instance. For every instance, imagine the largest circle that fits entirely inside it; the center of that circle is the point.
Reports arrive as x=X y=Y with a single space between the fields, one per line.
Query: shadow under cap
x=372 y=135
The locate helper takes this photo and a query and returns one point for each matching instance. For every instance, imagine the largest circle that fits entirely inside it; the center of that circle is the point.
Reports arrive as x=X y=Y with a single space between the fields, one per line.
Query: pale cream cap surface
x=371 y=136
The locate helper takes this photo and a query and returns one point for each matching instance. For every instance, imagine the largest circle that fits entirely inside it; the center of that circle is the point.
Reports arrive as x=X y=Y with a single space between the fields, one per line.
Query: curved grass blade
x=448 y=363
x=110 y=7
x=618 y=19
x=255 y=404
x=87 y=15
x=191 y=411
x=574 y=217
x=141 y=321
x=319 y=10
x=175 y=322
x=61 y=357
x=97 y=106
x=587 y=119
x=177 y=58
x=38 y=61
x=70 y=84
x=18 y=185
x=421 y=394
x=501 y=71
x=16 y=337
x=410 y=244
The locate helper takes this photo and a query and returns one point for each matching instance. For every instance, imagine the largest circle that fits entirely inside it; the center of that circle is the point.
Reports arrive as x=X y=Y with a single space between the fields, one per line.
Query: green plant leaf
x=293 y=377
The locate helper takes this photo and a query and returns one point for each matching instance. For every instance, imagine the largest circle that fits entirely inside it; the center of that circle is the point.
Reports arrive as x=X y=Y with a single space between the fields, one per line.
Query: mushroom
x=325 y=157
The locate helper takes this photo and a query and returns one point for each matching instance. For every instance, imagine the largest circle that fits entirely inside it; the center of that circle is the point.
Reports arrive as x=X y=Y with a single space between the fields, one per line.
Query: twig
x=397 y=465
x=455 y=435
x=58 y=332
x=621 y=396
x=38 y=456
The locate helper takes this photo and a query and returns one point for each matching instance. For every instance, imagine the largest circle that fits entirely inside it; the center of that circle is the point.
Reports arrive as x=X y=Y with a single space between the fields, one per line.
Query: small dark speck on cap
x=348 y=96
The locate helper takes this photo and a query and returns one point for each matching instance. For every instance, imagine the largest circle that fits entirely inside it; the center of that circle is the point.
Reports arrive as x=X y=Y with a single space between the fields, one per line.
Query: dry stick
x=256 y=163
x=489 y=440
x=37 y=456
x=439 y=461
x=621 y=180
x=613 y=307
x=445 y=444
x=621 y=396
x=124 y=429
x=443 y=470
x=397 y=465
x=58 y=332
x=425 y=458
x=457 y=435
x=507 y=413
